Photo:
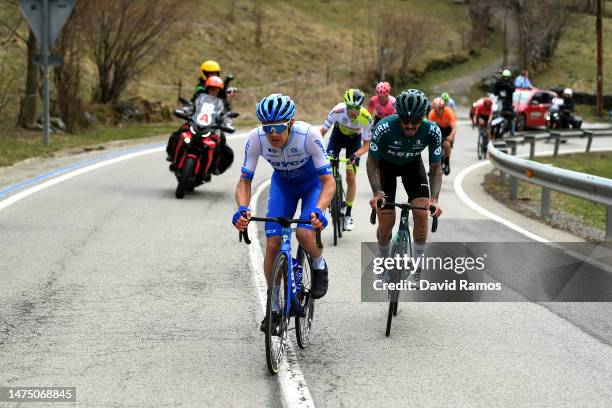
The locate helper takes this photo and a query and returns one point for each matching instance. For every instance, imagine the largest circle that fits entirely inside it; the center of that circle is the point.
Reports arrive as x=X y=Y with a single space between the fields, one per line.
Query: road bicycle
x=337 y=206
x=288 y=295
x=483 y=139
x=401 y=244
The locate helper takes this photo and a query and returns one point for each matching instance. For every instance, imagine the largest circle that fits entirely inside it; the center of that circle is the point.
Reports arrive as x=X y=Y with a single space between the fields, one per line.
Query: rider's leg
x=306 y=236
x=272 y=249
x=416 y=184
x=351 y=147
x=386 y=216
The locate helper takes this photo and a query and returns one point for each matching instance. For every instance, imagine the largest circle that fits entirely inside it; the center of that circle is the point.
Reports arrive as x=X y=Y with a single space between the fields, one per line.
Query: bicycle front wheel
x=395 y=276
x=334 y=213
x=276 y=320
x=479 y=146
x=303 y=325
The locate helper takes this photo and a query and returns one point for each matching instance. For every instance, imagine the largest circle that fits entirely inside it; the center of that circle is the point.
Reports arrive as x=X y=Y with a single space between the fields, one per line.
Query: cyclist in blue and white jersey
x=301 y=172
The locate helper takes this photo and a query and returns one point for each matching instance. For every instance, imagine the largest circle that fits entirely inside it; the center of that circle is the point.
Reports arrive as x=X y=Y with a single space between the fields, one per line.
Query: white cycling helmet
x=567 y=92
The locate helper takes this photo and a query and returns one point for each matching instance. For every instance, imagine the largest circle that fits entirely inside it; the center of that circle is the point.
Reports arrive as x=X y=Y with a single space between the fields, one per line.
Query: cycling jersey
x=303 y=157
x=390 y=143
x=481 y=110
x=362 y=124
x=379 y=110
x=447 y=119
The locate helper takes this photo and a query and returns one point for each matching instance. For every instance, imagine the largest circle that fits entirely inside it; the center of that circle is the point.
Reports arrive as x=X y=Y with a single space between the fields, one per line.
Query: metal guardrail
x=589 y=187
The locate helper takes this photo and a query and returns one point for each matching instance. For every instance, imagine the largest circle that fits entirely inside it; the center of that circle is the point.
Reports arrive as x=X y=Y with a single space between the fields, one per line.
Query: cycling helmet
x=438 y=104
x=412 y=104
x=383 y=88
x=214 y=81
x=567 y=92
x=353 y=97
x=506 y=73
x=445 y=97
x=209 y=66
x=487 y=103
x=275 y=108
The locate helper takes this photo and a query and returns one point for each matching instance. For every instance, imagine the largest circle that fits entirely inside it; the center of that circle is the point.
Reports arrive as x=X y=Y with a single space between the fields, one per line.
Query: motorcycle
x=500 y=125
x=199 y=141
x=557 y=118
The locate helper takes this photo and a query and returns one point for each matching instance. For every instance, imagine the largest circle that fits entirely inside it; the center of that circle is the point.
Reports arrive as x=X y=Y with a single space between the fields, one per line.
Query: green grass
x=29 y=144
x=588 y=212
x=574 y=64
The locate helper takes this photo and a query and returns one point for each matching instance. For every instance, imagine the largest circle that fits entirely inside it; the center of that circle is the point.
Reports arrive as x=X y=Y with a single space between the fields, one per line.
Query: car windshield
x=520 y=97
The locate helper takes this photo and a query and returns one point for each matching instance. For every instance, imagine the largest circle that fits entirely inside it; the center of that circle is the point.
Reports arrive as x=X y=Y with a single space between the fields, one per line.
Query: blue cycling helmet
x=275 y=108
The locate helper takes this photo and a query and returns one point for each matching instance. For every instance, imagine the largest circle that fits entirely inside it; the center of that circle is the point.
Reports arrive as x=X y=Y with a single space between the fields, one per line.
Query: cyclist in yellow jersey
x=352 y=128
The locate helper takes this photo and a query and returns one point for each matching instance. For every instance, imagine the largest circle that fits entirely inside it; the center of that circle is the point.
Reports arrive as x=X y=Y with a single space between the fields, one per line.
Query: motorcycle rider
x=224 y=155
x=207 y=69
x=566 y=111
x=504 y=88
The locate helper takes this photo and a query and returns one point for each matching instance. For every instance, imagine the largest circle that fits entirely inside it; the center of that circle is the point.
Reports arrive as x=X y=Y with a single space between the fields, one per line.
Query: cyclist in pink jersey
x=382 y=104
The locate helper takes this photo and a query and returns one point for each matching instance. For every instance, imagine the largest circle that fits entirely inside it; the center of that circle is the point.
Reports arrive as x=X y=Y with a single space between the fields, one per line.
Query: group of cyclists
x=392 y=130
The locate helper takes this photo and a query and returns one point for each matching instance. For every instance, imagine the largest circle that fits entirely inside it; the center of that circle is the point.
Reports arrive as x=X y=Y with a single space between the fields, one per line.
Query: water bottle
x=297 y=274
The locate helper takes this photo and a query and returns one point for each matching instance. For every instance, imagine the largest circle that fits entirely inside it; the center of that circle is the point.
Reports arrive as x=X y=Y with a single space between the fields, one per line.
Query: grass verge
x=26 y=144
x=576 y=215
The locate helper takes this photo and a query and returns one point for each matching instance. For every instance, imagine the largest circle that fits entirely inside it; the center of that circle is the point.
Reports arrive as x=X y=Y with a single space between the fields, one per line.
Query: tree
x=258 y=14
x=126 y=36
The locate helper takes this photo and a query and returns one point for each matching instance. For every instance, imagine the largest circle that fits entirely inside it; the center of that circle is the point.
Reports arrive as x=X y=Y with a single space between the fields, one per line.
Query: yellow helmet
x=208 y=67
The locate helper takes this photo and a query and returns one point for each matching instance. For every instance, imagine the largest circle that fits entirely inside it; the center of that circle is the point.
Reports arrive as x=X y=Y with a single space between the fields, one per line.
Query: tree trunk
x=29 y=111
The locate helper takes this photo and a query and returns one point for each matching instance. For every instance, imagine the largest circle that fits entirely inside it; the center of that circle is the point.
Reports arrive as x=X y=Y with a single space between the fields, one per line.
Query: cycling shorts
x=283 y=199
x=484 y=118
x=446 y=131
x=339 y=141
x=414 y=179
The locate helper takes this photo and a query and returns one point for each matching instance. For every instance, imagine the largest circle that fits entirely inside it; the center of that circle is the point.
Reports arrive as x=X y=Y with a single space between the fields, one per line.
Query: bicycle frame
x=293 y=297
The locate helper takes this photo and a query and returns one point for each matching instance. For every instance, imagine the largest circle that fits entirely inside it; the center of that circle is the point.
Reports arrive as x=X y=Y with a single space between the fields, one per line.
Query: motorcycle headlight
x=187 y=140
x=547 y=117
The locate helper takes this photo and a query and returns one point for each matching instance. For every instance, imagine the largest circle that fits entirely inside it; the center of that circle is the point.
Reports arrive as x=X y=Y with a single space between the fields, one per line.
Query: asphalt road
x=112 y=286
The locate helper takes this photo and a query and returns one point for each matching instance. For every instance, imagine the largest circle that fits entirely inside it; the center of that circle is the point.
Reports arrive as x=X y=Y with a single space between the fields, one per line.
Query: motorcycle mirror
x=184 y=101
x=179 y=113
x=227 y=129
x=233 y=115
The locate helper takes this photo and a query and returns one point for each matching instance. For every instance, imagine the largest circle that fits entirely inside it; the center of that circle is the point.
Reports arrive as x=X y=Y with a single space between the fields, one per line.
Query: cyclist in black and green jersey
x=395 y=151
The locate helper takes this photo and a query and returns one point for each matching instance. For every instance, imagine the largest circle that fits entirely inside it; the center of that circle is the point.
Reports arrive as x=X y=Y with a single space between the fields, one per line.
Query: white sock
x=318 y=263
x=419 y=252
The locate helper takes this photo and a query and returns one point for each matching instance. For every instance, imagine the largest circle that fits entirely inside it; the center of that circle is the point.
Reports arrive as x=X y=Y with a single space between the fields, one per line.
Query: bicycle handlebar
x=284 y=222
x=407 y=206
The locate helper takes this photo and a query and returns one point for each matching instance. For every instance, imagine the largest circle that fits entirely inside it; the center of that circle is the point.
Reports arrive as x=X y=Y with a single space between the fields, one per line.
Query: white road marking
x=293 y=384
x=470 y=203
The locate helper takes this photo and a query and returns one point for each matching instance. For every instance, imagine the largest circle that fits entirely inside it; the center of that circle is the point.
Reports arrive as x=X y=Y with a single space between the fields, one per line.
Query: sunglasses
x=276 y=128
x=408 y=121
x=353 y=107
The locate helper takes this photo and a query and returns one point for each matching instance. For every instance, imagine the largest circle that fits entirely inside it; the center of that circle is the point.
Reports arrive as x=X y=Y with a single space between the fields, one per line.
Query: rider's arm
x=453 y=122
x=374 y=156
x=243 y=192
x=363 y=149
x=329 y=122
x=366 y=135
x=252 y=151
x=435 y=160
x=328 y=188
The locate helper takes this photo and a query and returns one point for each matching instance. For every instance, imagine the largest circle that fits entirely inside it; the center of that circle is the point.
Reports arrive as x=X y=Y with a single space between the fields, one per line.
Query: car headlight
x=187 y=140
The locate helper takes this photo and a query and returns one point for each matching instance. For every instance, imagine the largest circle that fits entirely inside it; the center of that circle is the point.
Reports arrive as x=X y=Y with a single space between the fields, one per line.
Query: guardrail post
x=531 y=148
x=589 y=134
x=608 y=223
x=545 y=204
x=513 y=179
x=557 y=137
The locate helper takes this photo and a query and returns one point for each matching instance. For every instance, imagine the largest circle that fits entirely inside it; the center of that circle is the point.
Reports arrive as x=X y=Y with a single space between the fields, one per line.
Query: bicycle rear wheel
x=303 y=325
x=276 y=326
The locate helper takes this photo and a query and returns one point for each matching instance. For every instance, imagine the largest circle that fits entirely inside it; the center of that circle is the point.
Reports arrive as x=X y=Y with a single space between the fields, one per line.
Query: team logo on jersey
x=373 y=147
x=320 y=144
x=418 y=142
x=294 y=150
x=397 y=142
x=438 y=151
